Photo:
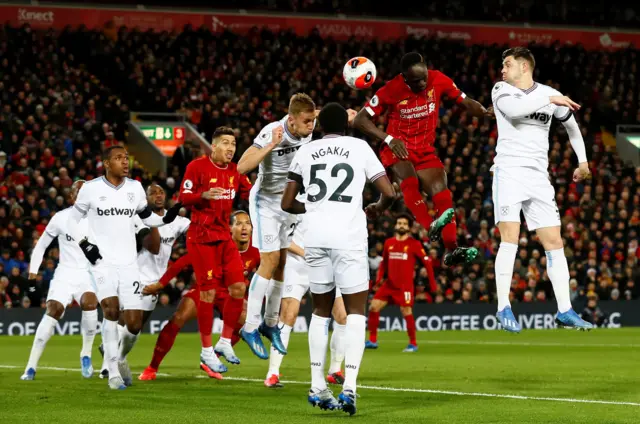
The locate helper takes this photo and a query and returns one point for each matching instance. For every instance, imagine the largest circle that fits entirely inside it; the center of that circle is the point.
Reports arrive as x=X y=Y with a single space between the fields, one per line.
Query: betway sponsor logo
x=26 y=16
x=418 y=111
x=116 y=212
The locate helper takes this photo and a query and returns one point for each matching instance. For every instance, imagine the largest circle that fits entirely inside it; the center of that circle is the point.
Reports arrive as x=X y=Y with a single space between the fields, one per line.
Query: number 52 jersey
x=333 y=172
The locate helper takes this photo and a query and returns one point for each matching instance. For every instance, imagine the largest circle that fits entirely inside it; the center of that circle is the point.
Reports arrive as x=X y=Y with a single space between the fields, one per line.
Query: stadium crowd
x=64 y=96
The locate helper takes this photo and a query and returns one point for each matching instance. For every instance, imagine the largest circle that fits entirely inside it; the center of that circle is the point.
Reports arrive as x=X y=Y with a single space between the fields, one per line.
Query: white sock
x=558 y=272
x=318 y=341
x=43 y=334
x=275 y=359
x=110 y=346
x=257 y=291
x=272 y=304
x=121 y=330
x=337 y=348
x=89 y=327
x=127 y=341
x=223 y=340
x=505 y=260
x=207 y=351
x=354 y=349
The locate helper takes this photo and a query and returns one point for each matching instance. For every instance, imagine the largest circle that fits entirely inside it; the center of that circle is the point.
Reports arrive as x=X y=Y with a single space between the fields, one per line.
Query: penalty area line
x=397 y=389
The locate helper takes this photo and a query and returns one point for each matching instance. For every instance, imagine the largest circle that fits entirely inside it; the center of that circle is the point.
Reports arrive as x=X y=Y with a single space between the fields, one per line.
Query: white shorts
x=527 y=189
x=296 y=281
x=122 y=282
x=69 y=284
x=272 y=227
x=347 y=270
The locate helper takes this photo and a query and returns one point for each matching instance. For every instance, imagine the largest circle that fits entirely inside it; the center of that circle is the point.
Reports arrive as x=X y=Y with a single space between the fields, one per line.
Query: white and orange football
x=359 y=73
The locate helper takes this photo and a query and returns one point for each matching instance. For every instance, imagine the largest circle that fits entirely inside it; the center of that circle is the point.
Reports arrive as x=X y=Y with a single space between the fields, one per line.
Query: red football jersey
x=399 y=261
x=210 y=218
x=413 y=117
x=250 y=261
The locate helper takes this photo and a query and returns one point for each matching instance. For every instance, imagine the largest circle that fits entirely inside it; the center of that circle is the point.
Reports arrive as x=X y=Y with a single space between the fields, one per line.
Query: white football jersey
x=272 y=173
x=333 y=172
x=152 y=267
x=71 y=255
x=110 y=211
x=525 y=141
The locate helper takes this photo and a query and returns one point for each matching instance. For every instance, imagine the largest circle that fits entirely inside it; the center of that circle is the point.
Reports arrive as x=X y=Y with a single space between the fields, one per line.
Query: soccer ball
x=359 y=73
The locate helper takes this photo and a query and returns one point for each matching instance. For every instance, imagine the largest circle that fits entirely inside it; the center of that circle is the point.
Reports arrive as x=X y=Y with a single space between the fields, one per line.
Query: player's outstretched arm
x=387 y=197
x=38 y=252
x=289 y=202
x=255 y=154
x=474 y=108
x=363 y=123
x=296 y=250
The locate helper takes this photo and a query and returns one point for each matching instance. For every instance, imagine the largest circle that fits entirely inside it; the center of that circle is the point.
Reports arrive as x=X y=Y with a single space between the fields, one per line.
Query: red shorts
x=218 y=303
x=395 y=296
x=216 y=264
x=419 y=159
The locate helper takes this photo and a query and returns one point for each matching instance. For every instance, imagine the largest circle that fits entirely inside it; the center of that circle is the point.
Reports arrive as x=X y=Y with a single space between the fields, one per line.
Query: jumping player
x=413 y=101
x=188 y=307
x=398 y=266
x=209 y=187
x=521 y=179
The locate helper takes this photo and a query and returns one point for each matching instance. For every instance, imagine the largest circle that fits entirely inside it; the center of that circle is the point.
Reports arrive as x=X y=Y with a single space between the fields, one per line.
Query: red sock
x=442 y=202
x=374 y=320
x=164 y=343
x=205 y=322
x=236 y=336
x=411 y=329
x=230 y=315
x=415 y=202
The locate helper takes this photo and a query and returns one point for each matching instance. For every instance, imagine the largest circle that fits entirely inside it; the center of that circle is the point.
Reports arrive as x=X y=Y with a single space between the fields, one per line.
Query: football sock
x=411 y=329
x=231 y=315
x=272 y=305
x=414 y=201
x=205 y=323
x=354 y=349
x=110 y=346
x=120 y=331
x=257 y=291
x=442 y=202
x=504 y=264
x=126 y=343
x=275 y=358
x=318 y=340
x=43 y=334
x=89 y=327
x=374 y=321
x=558 y=272
x=336 y=346
x=165 y=341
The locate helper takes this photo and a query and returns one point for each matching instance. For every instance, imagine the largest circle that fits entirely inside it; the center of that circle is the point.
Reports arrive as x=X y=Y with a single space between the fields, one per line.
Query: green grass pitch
x=554 y=376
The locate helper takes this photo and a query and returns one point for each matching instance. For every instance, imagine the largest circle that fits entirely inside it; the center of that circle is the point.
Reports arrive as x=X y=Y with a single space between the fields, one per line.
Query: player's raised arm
x=263 y=144
x=377 y=175
x=50 y=233
x=454 y=93
x=80 y=209
x=147 y=238
x=151 y=219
